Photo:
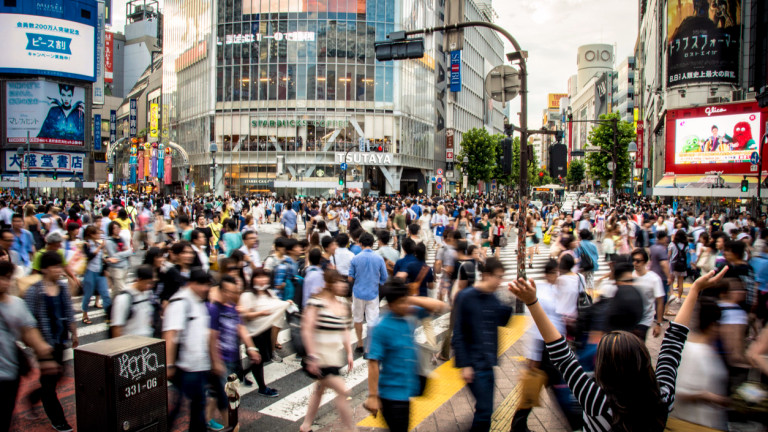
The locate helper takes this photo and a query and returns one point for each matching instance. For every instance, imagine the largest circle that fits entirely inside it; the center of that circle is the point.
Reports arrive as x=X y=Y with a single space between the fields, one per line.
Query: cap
x=198 y=275
x=742 y=236
x=54 y=237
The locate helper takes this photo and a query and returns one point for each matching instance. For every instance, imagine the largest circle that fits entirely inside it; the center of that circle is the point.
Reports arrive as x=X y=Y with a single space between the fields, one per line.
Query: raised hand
x=524 y=290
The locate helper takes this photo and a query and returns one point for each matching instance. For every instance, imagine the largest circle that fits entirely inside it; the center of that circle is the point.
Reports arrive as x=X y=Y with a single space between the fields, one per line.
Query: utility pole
x=615 y=173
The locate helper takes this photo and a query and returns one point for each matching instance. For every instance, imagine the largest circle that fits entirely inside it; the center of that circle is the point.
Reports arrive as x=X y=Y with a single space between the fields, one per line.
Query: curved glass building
x=289 y=89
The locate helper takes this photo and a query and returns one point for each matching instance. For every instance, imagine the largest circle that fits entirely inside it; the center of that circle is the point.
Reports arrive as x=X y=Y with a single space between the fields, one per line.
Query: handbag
x=531 y=381
x=25 y=366
x=547 y=238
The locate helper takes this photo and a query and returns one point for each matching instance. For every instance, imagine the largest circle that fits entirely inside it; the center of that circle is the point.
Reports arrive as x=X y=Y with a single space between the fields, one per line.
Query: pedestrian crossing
x=287 y=376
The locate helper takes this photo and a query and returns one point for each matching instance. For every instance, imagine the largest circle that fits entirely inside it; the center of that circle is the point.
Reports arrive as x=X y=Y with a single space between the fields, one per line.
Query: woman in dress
x=462 y=223
x=325 y=333
x=485 y=235
x=599 y=226
x=530 y=246
x=538 y=230
x=498 y=231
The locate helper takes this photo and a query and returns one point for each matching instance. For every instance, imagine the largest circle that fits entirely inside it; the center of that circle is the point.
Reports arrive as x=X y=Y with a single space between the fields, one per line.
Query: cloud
x=552 y=30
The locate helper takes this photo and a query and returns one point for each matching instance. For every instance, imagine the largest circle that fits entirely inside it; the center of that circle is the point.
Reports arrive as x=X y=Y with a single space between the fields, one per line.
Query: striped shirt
x=592 y=398
x=326 y=319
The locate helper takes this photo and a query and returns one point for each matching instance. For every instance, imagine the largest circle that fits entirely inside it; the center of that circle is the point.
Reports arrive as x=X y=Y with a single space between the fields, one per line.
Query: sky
x=552 y=30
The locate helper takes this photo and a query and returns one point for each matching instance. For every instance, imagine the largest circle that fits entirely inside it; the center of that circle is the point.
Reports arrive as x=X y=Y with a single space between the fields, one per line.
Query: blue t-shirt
x=232 y=242
x=393 y=345
x=402 y=264
x=225 y=319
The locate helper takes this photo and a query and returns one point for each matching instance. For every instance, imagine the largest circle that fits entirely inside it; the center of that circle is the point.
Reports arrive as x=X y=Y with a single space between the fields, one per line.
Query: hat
x=742 y=236
x=200 y=276
x=54 y=237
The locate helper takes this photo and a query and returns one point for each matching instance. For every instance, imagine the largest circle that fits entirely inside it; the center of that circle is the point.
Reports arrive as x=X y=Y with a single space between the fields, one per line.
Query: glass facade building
x=286 y=87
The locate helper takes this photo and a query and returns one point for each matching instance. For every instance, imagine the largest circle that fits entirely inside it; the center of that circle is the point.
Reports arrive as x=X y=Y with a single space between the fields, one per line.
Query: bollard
x=233 y=396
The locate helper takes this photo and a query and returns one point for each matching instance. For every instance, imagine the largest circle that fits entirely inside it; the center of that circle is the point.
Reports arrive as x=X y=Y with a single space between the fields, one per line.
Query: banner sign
x=45 y=161
x=109 y=46
x=154 y=115
x=160 y=161
x=97 y=132
x=140 y=163
x=168 y=167
x=132 y=117
x=601 y=91
x=39 y=45
x=455 y=71
x=704 y=41
x=553 y=100
x=112 y=127
x=98 y=86
x=52 y=113
x=640 y=138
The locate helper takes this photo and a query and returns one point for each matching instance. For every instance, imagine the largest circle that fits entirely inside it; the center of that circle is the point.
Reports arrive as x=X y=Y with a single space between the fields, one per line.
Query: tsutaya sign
x=366 y=158
x=255 y=122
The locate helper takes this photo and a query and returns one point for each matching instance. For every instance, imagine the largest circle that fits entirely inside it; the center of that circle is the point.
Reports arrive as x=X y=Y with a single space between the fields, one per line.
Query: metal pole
x=27 y=165
x=760 y=173
x=615 y=173
x=213 y=158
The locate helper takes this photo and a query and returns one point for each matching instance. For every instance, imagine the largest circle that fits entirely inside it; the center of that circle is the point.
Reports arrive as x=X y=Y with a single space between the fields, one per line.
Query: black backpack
x=585 y=264
x=679 y=263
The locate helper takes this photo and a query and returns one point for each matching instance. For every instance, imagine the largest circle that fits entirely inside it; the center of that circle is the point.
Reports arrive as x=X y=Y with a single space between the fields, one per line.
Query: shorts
x=680 y=274
x=324 y=371
x=368 y=309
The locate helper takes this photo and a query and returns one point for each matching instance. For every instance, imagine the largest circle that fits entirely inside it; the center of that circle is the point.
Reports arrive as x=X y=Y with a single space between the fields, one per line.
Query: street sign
x=343 y=166
x=439 y=171
x=502 y=83
x=453 y=183
x=449 y=155
x=753 y=168
x=439 y=186
x=439 y=180
x=449 y=174
x=124 y=184
x=754 y=158
x=433 y=179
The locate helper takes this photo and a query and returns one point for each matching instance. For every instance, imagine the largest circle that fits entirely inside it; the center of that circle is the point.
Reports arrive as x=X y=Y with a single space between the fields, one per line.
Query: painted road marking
x=446 y=380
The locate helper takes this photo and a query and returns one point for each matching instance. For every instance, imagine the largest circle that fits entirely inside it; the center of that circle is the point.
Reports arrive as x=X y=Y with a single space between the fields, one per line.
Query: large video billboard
x=714 y=138
x=52 y=113
x=280 y=6
x=39 y=45
x=703 y=44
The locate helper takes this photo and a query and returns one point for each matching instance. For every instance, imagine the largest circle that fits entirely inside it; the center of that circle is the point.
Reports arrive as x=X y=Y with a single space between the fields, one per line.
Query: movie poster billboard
x=109 y=46
x=703 y=41
x=273 y=6
x=52 y=113
x=601 y=93
x=714 y=138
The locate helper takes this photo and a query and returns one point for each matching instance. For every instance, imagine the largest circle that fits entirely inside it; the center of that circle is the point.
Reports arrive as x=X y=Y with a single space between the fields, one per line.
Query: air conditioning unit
x=750 y=95
x=716 y=100
x=737 y=95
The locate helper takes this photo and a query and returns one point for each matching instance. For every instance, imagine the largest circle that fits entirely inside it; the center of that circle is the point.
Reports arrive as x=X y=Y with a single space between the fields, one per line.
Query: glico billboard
x=54 y=38
x=723 y=137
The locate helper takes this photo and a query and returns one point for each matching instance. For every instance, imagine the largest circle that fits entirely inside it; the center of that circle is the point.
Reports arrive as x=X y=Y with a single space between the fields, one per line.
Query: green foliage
x=576 y=172
x=514 y=178
x=603 y=137
x=480 y=148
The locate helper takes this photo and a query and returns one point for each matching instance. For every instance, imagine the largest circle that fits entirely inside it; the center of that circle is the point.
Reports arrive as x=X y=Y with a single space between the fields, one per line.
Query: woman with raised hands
x=625 y=395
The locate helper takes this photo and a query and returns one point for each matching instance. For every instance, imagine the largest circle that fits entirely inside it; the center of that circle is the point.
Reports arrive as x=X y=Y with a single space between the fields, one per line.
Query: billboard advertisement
x=714 y=138
x=98 y=86
x=38 y=45
x=109 y=46
x=455 y=71
x=553 y=100
x=154 y=116
x=279 y=6
x=601 y=94
x=52 y=113
x=46 y=161
x=703 y=44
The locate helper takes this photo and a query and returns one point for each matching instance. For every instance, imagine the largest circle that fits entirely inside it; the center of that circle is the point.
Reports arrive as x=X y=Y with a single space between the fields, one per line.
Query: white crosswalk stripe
x=291 y=404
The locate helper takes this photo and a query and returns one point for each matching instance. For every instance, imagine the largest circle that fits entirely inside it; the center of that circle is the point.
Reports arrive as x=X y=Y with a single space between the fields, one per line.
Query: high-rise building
x=288 y=91
x=593 y=97
x=624 y=89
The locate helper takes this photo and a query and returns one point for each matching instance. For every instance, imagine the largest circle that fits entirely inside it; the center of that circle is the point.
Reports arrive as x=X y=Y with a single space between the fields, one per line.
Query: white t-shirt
x=187 y=314
x=140 y=323
x=568 y=295
x=255 y=259
x=651 y=288
x=701 y=370
x=342 y=260
x=728 y=227
x=439 y=220
x=331 y=223
x=547 y=295
x=732 y=314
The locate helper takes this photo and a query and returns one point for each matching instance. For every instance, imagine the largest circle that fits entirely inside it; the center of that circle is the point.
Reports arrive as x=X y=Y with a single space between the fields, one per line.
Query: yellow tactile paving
x=446 y=380
x=502 y=417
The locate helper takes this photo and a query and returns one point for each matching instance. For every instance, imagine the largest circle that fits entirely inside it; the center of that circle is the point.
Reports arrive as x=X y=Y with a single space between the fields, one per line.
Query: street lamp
x=301 y=179
x=632 y=149
x=464 y=171
x=213 y=148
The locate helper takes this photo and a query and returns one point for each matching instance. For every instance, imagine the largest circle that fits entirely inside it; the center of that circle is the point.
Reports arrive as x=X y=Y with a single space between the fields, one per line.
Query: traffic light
x=341 y=178
x=399 y=49
x=55 y=175
x=506 y=156
x=541 y=173
x=745 y=185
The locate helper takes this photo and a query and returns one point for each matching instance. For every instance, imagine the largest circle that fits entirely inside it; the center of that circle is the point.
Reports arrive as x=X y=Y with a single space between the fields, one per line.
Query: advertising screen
x=704 y=40
x=52 y=113
x=714 y=138
x=39 y=45
x=281 y=6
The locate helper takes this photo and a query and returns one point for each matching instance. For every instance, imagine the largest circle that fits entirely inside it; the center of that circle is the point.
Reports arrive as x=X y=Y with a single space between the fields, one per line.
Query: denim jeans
x=190 y=385
x=482 y=389
x=396 y=414
x=93 y=282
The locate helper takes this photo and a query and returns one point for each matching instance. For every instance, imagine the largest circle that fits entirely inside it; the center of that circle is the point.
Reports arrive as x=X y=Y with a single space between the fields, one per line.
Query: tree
x=480 y=148
x=576 y=172
x=602 y=136
x=513 y=179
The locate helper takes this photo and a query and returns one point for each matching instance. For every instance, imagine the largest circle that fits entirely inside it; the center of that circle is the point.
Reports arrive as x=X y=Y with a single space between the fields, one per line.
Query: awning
x=690 y=185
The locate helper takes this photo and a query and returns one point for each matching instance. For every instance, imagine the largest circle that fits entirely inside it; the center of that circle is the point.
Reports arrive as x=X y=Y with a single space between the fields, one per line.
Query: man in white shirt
x=332 y=221
x=132 y=311
x=652 y=289
x=5 y=214
x=189 y=347
x=250 y=249
x=343 y=256
x=438 y=223
x=729 y=226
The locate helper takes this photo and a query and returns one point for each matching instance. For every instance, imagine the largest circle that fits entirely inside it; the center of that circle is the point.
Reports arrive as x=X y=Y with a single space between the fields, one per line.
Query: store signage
x=112 y=127
x=45 y=161
x=297 y=36
x=365 y=158
x=133 y=116
x=109 y=44
x=97 y=132
x=297 y=123
x=456 y=71
x=640 y=138
x=553 y=100
x=154 y=115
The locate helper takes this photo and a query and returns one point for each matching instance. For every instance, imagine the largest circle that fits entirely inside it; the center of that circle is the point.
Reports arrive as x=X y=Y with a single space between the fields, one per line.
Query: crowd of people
x=352 y=277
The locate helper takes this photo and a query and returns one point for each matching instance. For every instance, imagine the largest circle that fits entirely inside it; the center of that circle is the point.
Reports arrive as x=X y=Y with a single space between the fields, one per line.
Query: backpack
x=585 y=264
x=679 y=262
x=131 y=304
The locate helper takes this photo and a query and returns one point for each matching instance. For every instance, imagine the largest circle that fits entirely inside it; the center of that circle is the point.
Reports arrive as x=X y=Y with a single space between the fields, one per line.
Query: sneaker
x=269 y=392
x=276 y=358
x=214 y=425
x=247 y=382
x=64 y=427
